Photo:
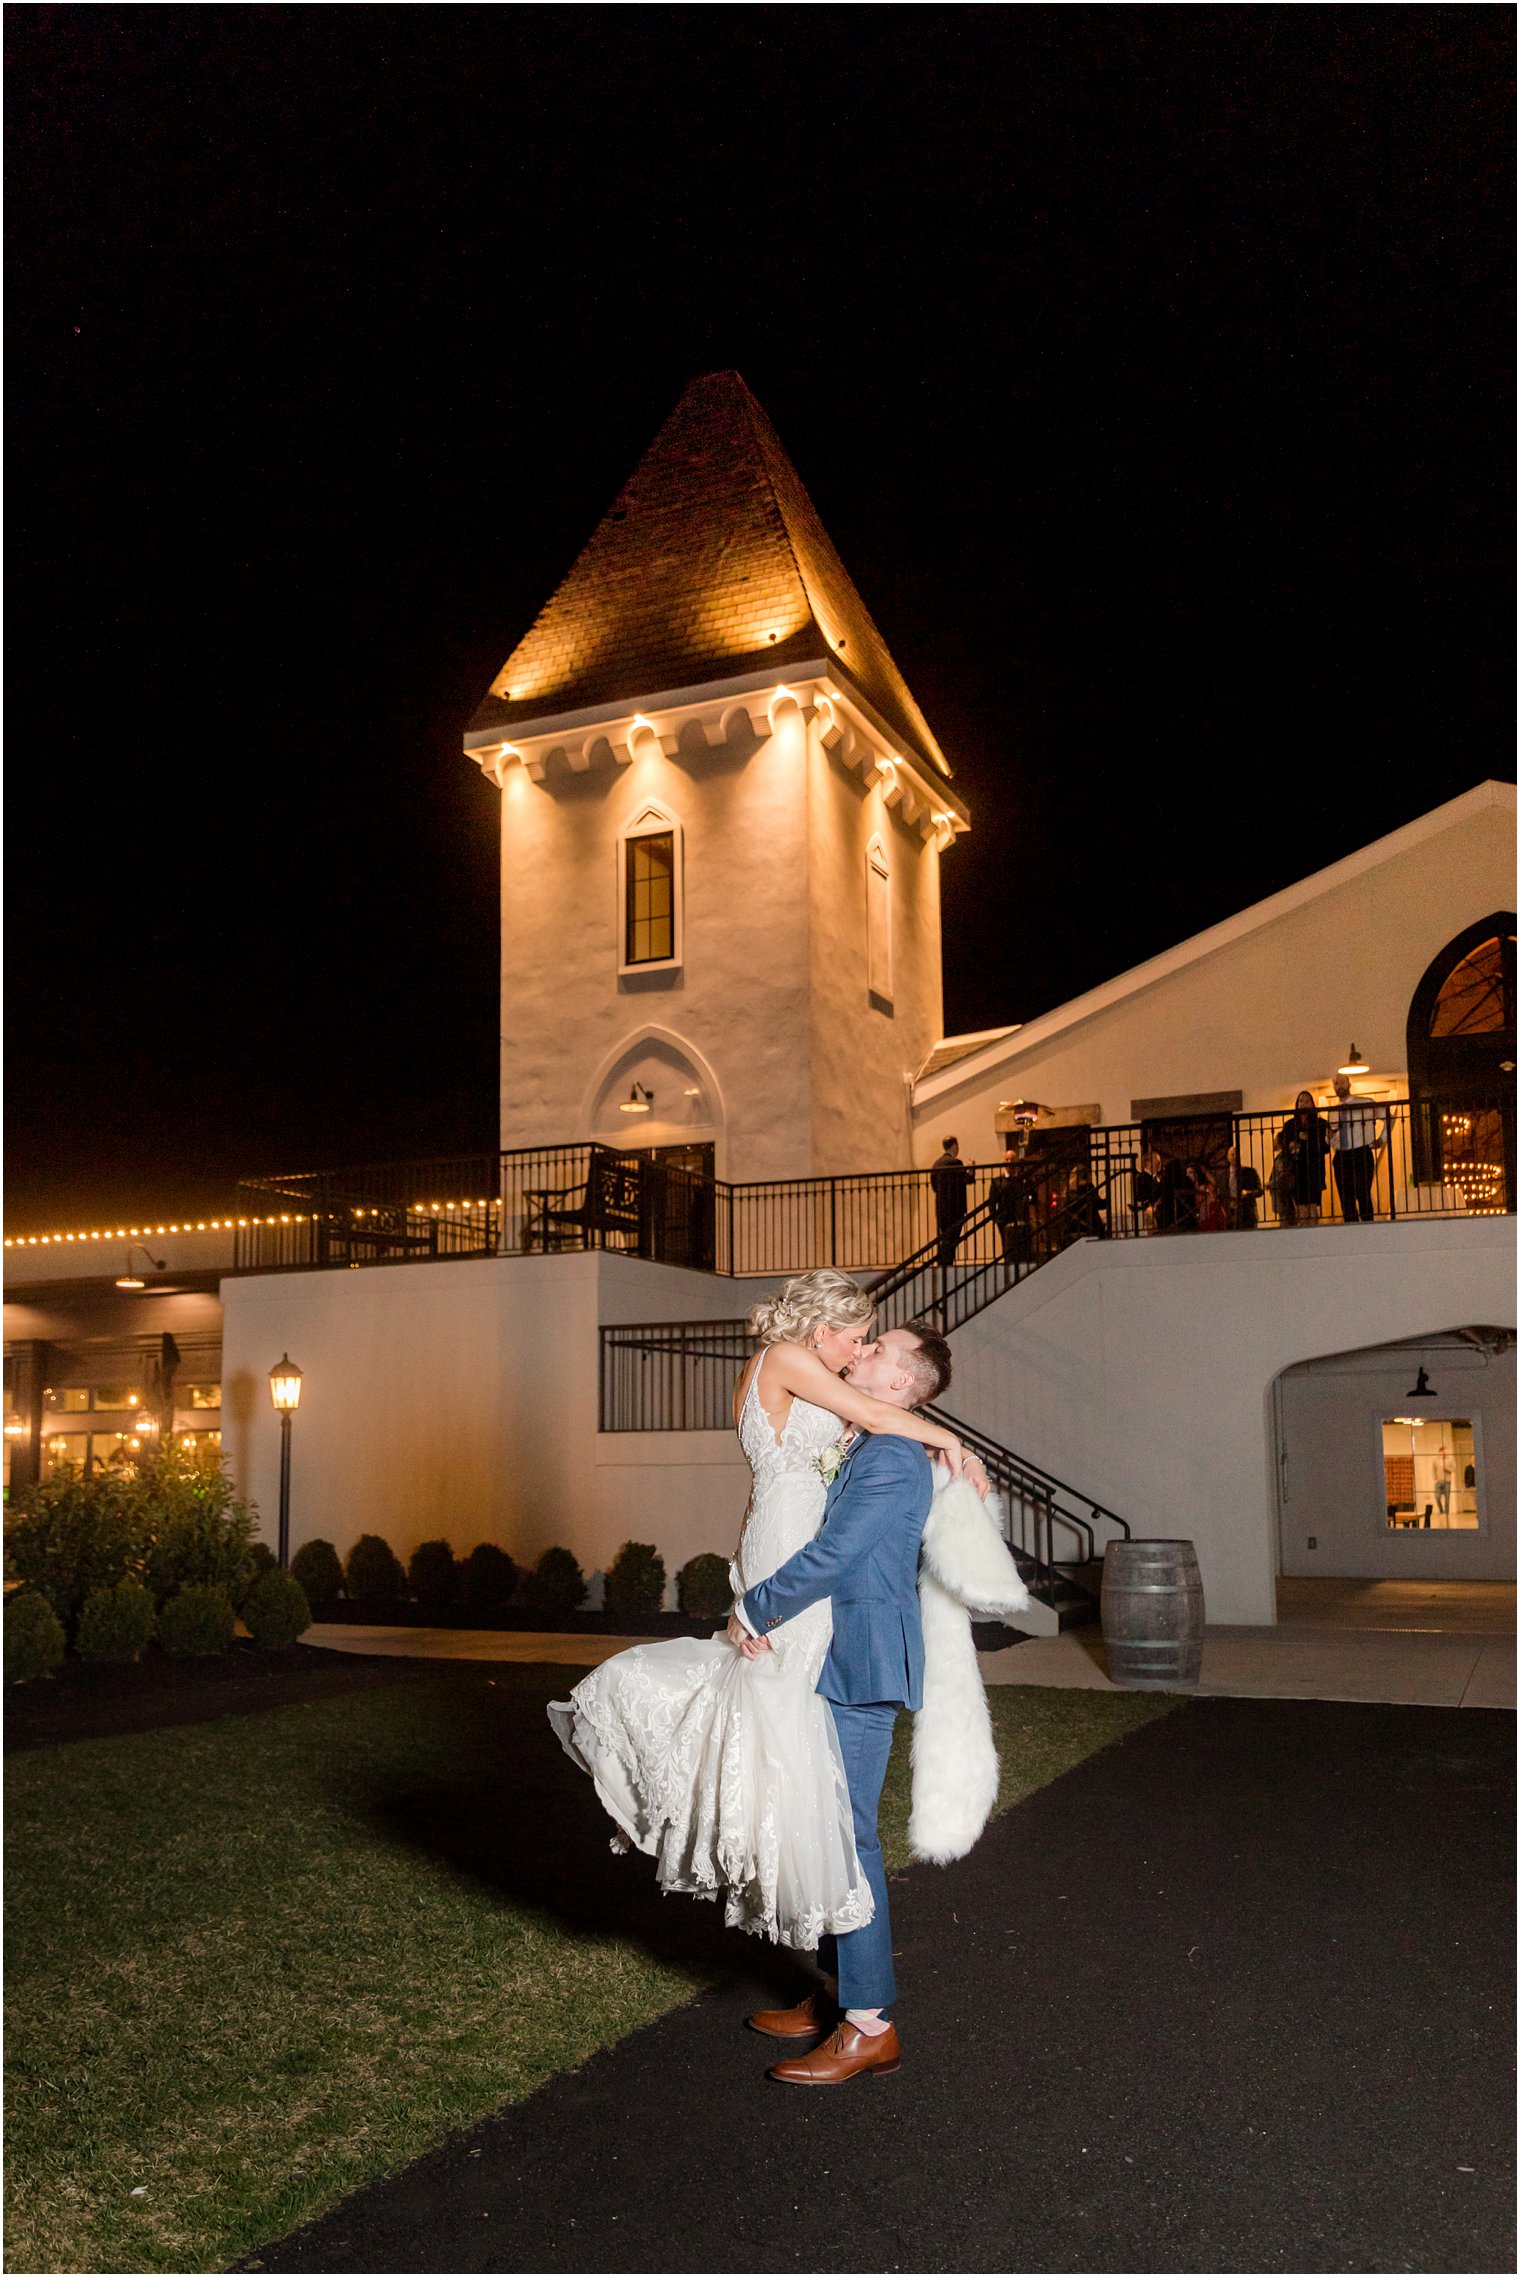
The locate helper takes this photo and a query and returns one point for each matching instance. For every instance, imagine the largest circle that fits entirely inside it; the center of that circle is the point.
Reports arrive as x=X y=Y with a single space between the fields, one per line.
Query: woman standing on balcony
x=727 y=1771
x=1303 y=1145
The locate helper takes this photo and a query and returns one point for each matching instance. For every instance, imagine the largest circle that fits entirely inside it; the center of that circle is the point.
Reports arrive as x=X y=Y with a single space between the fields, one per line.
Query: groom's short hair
x=929 y=1362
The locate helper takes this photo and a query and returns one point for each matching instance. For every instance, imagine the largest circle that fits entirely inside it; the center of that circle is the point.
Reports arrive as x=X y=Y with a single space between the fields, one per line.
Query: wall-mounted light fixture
x=1355 y=1064
x=131 y=1280
x=638 y=1102
x=1422 y=1388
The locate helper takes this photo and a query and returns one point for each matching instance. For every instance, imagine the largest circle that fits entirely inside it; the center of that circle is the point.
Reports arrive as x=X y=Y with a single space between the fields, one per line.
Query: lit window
x=1430 y=1473
x=61 y=1447
x=204 y=1395
x=1476 y=998
x=74 y=1399
x=650 y=892
x=878 y=923
x=117 y=1395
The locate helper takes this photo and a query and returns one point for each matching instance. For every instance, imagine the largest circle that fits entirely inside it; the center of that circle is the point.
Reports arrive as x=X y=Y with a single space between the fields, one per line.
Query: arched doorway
x=655 y=1102
x=1461 y=1057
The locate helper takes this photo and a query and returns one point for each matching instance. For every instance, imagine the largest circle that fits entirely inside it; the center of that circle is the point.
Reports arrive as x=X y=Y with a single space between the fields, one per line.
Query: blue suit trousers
x=862 y=1958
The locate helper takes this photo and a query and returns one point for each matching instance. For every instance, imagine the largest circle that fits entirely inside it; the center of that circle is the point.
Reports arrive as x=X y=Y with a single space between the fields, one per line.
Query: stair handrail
x=983 y=1443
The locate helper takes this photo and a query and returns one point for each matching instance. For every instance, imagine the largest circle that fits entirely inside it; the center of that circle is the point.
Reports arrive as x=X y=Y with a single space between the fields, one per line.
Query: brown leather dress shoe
x=846 y=2052
x=804 y=2022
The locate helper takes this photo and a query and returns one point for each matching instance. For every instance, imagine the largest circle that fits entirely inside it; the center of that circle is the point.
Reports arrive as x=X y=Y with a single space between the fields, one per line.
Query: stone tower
x=722 y=821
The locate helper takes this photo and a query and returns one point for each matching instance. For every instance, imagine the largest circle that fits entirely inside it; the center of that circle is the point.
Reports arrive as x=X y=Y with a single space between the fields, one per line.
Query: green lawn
x=256 y=1962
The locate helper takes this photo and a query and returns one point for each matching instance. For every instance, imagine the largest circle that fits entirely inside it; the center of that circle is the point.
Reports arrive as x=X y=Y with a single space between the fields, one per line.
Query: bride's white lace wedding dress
x=726 y=1770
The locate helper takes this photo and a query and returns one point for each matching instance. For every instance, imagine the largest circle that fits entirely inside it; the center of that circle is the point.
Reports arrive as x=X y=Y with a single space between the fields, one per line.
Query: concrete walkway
x=1411 y=1644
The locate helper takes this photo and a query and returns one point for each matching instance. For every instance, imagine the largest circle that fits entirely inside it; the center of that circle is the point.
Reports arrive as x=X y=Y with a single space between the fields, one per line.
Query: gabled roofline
x=1034 y=1034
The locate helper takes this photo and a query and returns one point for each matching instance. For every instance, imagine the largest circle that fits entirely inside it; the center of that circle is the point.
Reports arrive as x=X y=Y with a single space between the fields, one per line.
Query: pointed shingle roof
x=710 y=563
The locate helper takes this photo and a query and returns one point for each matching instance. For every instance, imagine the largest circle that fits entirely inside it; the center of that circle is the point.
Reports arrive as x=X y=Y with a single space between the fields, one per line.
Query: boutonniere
x=831 y=1462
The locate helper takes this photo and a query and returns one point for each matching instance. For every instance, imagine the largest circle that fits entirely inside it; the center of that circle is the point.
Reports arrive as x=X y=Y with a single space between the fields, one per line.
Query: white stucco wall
x=1266 y=1007
x=862 y=1055
x=460 y=1400
x=740 y=994
x=1142 y=1371
x=770 y=1001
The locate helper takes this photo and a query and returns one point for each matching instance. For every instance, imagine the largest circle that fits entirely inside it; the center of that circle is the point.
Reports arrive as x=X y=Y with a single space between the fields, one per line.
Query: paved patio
x=1411 y=1644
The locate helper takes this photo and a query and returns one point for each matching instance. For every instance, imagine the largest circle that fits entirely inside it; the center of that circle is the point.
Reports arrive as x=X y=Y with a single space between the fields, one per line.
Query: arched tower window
x=1461 y=1056
x=650 y=892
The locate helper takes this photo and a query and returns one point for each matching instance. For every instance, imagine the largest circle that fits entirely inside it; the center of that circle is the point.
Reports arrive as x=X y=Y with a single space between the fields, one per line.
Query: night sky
x=1148 y=366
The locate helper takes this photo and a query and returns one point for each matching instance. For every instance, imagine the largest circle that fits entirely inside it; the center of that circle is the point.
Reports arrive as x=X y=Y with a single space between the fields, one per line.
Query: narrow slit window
x=878 y=923
x=650 y=898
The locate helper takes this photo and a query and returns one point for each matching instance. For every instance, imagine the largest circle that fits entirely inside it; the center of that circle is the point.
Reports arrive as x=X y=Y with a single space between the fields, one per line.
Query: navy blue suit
x=865 y=1560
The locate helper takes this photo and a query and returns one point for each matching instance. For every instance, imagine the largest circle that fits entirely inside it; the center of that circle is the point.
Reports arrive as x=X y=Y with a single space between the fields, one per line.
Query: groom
x=865 y=1558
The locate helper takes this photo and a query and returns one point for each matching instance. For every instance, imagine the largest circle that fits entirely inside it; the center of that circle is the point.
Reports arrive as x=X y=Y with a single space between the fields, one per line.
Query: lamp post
x=285 y=1391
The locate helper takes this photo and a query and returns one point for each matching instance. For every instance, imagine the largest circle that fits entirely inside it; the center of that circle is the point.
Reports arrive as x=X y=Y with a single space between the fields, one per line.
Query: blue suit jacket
x=865 y=1558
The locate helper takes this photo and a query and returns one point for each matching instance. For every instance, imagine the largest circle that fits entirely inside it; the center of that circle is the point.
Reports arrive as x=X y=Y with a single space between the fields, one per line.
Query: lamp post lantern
x=285 y=1391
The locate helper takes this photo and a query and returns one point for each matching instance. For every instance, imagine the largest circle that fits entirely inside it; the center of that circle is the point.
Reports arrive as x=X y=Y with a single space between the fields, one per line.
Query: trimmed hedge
x=197 y=1621
x=703 y=1589
x=34 y=1639
x=433 y=1577
x=275 y=1611
x=556 y=1584
x=487 y=1579
x=635 y=1582
x=116 y=1623
x=319 y=1569
x=373 y=1575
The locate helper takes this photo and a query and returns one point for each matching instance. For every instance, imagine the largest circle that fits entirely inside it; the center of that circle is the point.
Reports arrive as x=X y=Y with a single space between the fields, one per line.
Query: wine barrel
x=1152 y=1615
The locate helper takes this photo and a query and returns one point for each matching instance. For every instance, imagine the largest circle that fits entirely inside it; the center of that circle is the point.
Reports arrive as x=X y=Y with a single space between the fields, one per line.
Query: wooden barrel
x=1152 y=1615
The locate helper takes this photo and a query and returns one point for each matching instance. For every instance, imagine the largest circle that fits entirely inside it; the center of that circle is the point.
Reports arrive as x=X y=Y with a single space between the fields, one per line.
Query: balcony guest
x=1298 y=1179
x=1242 y=1191
x=951 y=1179
x=1361 y=1133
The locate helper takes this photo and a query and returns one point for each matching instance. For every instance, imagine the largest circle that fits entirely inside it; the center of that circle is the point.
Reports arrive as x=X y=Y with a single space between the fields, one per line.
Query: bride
x=727 y=1770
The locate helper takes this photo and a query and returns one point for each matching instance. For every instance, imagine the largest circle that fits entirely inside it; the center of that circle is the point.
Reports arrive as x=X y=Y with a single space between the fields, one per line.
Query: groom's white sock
x=867 y=2020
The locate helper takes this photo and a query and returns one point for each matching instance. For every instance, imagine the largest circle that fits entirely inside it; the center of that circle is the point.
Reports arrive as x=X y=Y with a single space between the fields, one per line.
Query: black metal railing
x=1189 y=1174
x=671 y=1375
x=375 y=1213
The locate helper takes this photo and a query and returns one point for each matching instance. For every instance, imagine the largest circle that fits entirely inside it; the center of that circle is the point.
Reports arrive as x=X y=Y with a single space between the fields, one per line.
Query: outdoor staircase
x=678 y=1376
x=920 y=1288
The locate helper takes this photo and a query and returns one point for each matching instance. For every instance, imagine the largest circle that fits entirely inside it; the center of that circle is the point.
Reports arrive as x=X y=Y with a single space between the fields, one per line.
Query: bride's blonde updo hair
x=825 y=1299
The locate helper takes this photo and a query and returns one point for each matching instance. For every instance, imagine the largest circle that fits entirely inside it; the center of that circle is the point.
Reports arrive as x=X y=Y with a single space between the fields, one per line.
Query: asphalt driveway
x=1235 y=1994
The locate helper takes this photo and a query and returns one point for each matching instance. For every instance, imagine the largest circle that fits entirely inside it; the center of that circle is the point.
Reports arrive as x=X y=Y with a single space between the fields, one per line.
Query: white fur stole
x=966 y=1567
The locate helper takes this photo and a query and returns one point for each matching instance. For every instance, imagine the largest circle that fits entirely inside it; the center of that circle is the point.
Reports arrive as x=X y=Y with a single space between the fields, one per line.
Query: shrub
x=195 y=1533
x=373 y=1575
x=261 y=1560
x=115 y=1623
x=556 y=1584
x=195 y=1621
x=71 y=1534
x=636 y=1582
x=433 y=1576
x=488 y=1578
x=34 y=1639
x=703 y=1589
x=318 y=1568
x=275 y=1610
